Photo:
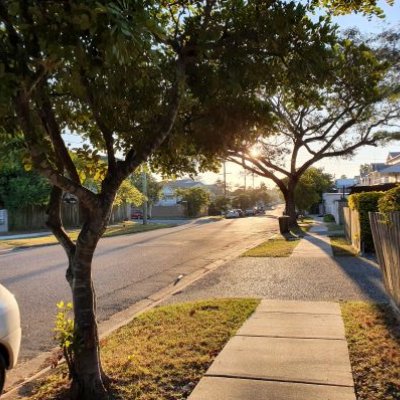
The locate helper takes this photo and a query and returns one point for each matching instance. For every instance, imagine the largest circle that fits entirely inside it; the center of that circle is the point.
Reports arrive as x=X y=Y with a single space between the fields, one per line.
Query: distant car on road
x=250 y=211
x=136 y=214
x=10 y=333
x=241 y=212
x=232 y=214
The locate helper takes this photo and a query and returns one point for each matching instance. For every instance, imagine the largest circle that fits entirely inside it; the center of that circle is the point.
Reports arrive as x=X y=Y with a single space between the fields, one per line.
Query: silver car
x=10 y=333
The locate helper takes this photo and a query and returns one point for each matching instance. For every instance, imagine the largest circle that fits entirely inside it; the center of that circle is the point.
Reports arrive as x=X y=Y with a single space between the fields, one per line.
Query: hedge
x=329 y=218
x=365 y=203
x=390 y=201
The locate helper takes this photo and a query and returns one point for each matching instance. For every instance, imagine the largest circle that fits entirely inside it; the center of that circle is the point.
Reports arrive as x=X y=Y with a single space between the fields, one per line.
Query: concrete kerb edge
x=121 y=318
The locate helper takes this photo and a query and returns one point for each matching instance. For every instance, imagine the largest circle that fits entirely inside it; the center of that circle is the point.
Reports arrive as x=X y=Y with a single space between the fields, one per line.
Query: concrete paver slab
x=306 y=307
x=215 y=388
x=325 y=326
x=285 y=359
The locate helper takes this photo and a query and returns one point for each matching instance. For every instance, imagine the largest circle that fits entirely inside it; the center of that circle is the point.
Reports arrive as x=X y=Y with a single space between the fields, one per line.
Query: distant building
x=169 y=204
x=381 y=173
x=169 y=197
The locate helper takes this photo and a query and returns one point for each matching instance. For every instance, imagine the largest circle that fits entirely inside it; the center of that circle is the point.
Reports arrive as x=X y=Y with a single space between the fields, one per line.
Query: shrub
x=364 y=203
x=390 y=201
x=329 y=218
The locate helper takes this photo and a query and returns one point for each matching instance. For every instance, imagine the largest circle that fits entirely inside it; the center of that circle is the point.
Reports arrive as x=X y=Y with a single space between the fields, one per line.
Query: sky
x=335 y=166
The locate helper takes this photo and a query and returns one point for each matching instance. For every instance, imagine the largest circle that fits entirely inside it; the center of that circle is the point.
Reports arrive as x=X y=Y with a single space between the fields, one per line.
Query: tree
x=355 y=104
x=194 y=199
x=20 y=188
x=113 y=72
x=312 y=184
x=154 y=188
x=343 y=7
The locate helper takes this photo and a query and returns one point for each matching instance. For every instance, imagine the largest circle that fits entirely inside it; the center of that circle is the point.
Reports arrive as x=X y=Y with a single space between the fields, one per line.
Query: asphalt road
x=126 y=269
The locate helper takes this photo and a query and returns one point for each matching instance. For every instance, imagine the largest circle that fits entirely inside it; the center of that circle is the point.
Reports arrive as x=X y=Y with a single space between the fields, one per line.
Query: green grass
x=335 y=228
x=341 y=248
x=124 y=228
x=275 y=247
x=163 y=353
x=279 y=246
x=373 y=337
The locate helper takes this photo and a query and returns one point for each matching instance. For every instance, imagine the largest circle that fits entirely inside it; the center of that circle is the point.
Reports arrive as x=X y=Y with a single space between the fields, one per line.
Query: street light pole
x=225 y=179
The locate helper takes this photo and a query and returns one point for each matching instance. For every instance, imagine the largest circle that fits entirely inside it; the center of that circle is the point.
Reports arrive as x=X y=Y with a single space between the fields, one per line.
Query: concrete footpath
x=287 y=350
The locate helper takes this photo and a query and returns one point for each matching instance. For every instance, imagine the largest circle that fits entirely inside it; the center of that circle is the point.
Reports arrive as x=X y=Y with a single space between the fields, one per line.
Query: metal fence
x=386 y=234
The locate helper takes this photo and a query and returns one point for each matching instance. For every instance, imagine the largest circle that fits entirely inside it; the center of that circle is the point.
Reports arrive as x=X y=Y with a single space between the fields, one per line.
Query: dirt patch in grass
x=162 y=354
x=373 y=336
x=274 y=247
x=341 y=248
x=125 y=228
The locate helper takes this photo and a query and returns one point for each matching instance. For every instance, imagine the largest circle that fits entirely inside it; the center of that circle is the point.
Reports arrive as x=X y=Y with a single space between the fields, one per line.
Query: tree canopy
x=355 y=104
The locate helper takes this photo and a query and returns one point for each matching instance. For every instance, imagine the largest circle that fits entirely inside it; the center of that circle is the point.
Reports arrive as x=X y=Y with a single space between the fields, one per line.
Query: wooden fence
x=34 y=217
x=352 y=227
x=386 y=234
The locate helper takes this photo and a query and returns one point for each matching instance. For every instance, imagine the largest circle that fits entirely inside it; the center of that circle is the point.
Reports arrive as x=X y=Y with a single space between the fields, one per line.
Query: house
x=381 y=173
x=169 y=197
x=334 y=200
x=169 y=204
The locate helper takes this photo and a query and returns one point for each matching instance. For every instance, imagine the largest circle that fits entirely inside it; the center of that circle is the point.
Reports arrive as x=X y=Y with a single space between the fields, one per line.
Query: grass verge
x=279 y=246
x=373 y=336
x=163 y=353
x=124 y=228
x=335 y=228
x=341 y=248
x=274 y=247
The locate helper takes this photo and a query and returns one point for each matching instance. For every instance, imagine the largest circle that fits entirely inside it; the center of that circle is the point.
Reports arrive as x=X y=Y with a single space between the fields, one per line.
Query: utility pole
x=225 y=179
x=144 y=191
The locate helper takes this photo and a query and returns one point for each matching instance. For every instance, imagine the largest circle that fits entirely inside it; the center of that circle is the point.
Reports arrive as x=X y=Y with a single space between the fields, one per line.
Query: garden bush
x=329 y=218
x=390 y=201
x=364 y=203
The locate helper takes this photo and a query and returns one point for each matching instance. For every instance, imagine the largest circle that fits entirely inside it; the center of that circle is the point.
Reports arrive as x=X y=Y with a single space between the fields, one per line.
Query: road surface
x=126 y=269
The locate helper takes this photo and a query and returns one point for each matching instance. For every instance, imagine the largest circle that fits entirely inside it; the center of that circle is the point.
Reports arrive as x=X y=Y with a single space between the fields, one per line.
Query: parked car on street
x=10 y=333
x=241 y=212
x=250 y=212
x=136 y=214
x=232 y=214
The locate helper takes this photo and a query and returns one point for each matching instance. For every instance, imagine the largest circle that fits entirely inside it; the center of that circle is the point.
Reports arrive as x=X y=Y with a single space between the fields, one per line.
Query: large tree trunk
x=290 y=205
x=87 y=383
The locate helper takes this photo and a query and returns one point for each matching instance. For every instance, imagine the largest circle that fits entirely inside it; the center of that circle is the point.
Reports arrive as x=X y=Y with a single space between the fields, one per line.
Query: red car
x=136 y=214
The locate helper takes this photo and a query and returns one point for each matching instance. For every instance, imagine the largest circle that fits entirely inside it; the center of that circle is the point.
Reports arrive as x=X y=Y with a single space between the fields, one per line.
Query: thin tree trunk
x=87 y=383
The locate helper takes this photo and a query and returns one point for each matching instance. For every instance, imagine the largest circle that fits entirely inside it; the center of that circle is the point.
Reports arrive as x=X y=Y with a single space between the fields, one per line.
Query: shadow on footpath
x=364 y=272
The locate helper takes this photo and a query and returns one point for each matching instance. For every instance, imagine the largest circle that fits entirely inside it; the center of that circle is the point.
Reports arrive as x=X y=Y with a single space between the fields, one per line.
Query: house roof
x=376 y=167
x=340 y=183
x=392 y=169
x=373 y=188
x=393 y=157
x=183 y=183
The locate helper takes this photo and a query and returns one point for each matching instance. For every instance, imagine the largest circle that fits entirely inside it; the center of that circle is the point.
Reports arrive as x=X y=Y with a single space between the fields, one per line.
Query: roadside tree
x=194 y=199
x=355 y=105
x=312 y=184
